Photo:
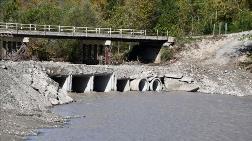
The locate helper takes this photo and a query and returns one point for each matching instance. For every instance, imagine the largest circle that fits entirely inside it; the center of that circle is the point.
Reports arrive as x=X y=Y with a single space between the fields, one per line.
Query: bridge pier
x=92 y=52
x=9 y=46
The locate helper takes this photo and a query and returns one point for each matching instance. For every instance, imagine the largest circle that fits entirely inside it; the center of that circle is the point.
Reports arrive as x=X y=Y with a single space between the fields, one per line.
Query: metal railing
x=73 y=29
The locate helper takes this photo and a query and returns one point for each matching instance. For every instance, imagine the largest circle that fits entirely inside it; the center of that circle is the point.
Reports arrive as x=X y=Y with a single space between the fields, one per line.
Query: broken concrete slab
x=177 y=85
x=172 y=84
x=189 y=88
x=173 y=75
x=187 y=79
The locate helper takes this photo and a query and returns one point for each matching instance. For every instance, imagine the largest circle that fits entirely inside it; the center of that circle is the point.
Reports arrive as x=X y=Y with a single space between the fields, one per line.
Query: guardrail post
x=86 y=31
x=30 y=27
x=45 y=29
x=157 y=34
x=110 y=32
x=6 y=25
x=73 y=30
x=59 y=28
x=49 y=27
x=17 y=28
x=35 y=27
x=167 y=34
x=121 y=32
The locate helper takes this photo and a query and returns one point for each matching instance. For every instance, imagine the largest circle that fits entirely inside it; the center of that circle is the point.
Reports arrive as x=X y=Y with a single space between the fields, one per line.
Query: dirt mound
x=15 y=94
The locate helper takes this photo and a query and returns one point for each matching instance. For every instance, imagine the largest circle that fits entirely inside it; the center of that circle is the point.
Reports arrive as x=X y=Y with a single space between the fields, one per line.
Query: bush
x=166 y=54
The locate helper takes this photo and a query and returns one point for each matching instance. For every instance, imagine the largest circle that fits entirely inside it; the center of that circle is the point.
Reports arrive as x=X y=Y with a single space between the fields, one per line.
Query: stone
x=189 y=88
x=187 y=79
x=248 y=44
x=174 y=75
x=63 y=97
x=54 y=101
x=4 y=67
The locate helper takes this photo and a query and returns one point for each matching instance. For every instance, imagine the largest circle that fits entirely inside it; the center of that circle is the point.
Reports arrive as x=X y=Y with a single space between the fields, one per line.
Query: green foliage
x=138 y=14
x=179 y=17
x=166 y=54
x=44 y=13
x=9 y=10
x=80 y=15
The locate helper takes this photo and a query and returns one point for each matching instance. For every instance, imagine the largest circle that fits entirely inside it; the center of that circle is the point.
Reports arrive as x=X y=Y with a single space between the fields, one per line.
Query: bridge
x=149 y=43
x=72 y=32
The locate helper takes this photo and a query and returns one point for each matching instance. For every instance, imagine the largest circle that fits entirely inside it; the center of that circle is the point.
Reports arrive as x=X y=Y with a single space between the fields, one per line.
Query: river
x=164 y=116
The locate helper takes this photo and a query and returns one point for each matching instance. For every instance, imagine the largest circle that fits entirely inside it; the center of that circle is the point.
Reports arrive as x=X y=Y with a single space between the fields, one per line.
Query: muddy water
x=155 y=117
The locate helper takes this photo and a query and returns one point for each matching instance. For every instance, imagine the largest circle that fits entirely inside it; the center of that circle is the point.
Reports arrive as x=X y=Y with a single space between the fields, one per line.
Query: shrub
x=166 y=54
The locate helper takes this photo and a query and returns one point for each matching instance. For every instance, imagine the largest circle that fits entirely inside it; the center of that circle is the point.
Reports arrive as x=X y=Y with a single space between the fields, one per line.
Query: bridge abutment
x=146 y=52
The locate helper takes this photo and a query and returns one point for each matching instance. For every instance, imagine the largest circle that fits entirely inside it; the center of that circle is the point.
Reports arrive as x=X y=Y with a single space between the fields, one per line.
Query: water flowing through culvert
x=149 y=116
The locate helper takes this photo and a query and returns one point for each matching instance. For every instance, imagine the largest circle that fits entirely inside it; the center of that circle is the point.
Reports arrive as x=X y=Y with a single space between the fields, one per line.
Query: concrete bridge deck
x=72 y=32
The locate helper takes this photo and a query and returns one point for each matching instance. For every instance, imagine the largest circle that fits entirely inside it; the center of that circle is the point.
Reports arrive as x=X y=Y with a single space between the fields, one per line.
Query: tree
x=9 y=10
x=43 y=13
x=82 y=14
x=135 y=14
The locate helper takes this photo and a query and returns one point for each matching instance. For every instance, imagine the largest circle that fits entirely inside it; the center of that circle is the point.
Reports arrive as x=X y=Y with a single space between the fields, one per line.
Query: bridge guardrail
x=72 y=29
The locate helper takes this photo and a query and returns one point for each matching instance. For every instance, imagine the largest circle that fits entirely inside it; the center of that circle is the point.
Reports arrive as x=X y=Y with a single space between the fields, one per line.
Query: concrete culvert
x=65 y=82
x=156 y=85
x=59 y=79
x=103 y=83
x=123 y=85
x=82 y=84
x=139 y=85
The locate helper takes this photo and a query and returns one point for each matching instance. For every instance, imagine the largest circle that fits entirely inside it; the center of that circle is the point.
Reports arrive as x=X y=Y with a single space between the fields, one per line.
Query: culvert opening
x=156 y=85
x=123 y=85
x=59 y=79
x=103 y=83
x=82 y=84
x=143 y=85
